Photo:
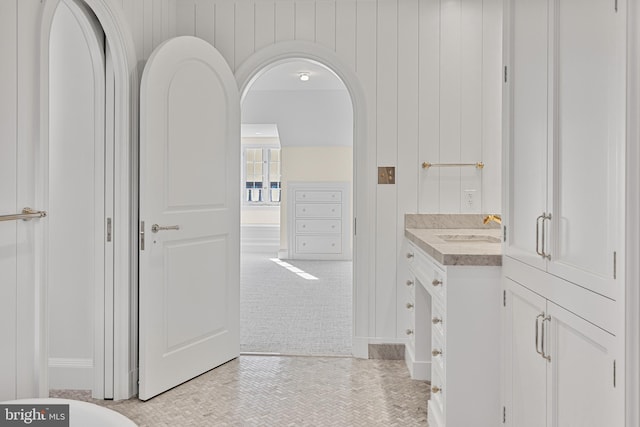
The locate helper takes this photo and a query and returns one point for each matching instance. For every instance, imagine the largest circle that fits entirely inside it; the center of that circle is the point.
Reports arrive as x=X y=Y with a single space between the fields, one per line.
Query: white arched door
x=189 y=214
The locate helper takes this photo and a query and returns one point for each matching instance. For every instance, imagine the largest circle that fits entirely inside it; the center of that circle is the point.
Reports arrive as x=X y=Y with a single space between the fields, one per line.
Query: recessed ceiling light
x=304 y=77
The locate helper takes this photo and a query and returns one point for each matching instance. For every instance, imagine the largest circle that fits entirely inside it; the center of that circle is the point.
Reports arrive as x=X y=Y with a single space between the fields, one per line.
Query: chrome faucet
x=494 y=218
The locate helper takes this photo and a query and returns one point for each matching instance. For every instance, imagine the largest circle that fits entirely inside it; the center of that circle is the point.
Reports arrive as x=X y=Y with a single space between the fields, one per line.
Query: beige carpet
x=282 y=311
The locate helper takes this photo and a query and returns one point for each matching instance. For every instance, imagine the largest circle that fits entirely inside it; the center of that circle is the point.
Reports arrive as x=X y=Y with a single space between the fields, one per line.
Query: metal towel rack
x=27 y=214
x=427 y=165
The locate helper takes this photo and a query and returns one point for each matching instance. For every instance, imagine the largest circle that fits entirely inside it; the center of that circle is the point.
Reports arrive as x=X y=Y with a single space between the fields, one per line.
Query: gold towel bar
x=427 y=165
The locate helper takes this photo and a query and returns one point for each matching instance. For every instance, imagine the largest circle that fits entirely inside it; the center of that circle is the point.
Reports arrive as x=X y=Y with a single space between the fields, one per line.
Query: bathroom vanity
x=453 y=293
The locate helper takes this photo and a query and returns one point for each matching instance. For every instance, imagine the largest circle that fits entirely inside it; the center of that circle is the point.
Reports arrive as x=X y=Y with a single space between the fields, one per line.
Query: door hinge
x=504 y=233
x=505 y=74
x=504 y=298
x=355 y=228
x=504 y=415
x=109 y=229
x=614 y=374
x=142 y=235
x=615 y=262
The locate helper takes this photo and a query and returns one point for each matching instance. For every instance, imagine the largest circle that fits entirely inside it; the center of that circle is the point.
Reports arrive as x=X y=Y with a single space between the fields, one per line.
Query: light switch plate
x=386 y=174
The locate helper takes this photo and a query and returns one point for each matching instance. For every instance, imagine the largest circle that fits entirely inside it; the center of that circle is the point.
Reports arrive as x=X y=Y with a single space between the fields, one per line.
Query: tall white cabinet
x=564 y=116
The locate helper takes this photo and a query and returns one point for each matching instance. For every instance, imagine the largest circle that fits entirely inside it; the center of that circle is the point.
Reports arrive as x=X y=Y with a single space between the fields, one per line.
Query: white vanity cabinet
x=319 y=221
x=560 y=370
x=465 y=340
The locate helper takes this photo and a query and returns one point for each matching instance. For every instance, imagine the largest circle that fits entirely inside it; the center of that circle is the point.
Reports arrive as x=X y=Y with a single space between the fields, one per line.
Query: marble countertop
x=477 y=246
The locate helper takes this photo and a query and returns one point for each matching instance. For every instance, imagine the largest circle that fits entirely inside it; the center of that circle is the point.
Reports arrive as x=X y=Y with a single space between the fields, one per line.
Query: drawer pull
x=409 y=331
x=409 y=255
x=435 y=389
x=409 y=305
x=436 y=352
x=436 y=320
x=409 y=282
x=436 y=282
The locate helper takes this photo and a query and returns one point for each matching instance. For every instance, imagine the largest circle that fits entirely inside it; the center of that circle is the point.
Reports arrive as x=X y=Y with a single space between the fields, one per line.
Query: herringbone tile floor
x=285 y=391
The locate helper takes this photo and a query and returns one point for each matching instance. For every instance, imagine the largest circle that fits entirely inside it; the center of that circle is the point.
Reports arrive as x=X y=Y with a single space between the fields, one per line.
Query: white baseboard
x=360 y=347
x=260 y=237
x=417 y=369
x=70 y=374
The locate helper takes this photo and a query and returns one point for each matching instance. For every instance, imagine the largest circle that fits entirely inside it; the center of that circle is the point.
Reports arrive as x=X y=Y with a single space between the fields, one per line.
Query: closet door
x=586 y=385
x=525 y=369
x=588 y=181
x=526 y=127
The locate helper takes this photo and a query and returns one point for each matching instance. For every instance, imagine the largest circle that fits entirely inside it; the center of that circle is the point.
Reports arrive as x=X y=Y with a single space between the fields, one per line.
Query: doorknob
x=155 y=227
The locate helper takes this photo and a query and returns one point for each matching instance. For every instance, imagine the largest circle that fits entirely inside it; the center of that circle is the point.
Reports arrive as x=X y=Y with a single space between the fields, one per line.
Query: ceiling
x=285 y=76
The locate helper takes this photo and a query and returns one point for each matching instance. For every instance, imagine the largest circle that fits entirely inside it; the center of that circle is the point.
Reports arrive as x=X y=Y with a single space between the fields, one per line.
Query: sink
x=468 y=238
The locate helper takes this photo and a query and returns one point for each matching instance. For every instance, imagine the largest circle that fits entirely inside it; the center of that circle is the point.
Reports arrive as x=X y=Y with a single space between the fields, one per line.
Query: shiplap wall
x=431 y=74
x=430 y=70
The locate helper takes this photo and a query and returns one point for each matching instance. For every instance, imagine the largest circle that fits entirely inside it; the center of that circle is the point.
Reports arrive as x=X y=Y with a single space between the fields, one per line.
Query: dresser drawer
x=319 y=210
x=318 y=196
x=318 y=244
x=318 y=226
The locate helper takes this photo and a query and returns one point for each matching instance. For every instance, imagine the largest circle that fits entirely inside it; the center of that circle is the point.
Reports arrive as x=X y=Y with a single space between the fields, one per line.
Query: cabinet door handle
x=409 y=282
x=436 y=320
x=436 y=282
x=544 y=218
x=541 y=217
x=544 y=355
x=538 y=317
x=409 y=255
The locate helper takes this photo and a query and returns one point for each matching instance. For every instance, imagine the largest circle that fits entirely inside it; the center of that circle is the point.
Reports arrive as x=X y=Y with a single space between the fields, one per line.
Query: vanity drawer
x=318 y=196
x=318 y=226
x=319 y=244
x=320 y=210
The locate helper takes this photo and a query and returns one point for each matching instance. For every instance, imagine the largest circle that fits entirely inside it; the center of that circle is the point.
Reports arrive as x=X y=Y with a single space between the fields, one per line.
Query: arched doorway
x=363 y=167
x=297 y=186
x=112 y=300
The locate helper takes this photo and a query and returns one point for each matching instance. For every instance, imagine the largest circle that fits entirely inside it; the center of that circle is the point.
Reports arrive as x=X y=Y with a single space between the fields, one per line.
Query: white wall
x=8 y=175
x=431 y=71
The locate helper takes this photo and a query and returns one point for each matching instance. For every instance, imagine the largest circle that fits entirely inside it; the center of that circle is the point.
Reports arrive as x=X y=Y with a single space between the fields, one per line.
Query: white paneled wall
x=431 y=74
x=430 y=70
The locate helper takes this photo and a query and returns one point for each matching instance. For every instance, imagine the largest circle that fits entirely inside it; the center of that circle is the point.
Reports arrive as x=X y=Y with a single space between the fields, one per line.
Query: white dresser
x=319 y=220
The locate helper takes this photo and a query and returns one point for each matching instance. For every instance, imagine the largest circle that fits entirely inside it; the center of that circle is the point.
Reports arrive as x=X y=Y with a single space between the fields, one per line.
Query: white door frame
x=364 y=172
x=122 y=50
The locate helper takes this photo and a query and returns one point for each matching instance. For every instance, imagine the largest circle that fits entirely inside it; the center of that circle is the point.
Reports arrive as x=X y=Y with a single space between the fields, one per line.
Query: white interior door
x=189 y=175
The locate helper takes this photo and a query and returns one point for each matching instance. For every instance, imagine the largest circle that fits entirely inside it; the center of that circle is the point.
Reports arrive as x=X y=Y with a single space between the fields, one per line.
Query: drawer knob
x=409 y=305
x=409 y=331
x=436 y=320
x=409 y=282
x=409 y=255
x=435 y=389
x=436 y=282
x=436 y=352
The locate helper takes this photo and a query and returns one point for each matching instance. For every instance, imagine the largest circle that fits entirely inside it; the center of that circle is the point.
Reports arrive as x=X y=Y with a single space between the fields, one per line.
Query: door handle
x=155 y=227
x=544 y=354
